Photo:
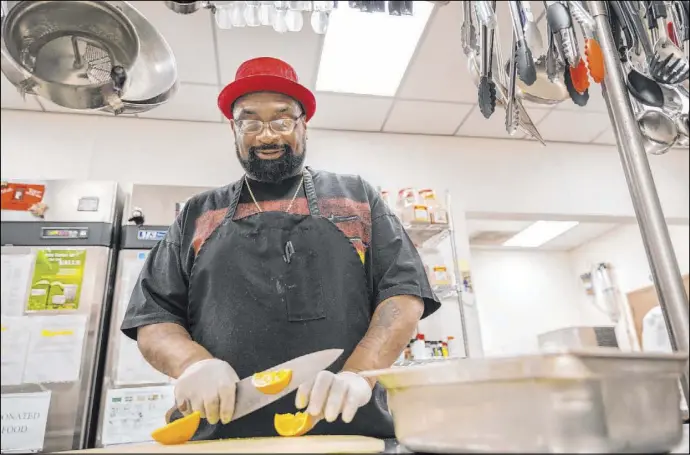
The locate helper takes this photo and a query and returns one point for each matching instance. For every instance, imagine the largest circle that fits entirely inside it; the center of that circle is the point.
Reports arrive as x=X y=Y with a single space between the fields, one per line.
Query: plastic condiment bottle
x=452 y=347
x=437 y=350
x=419 y=348
x=444 y=349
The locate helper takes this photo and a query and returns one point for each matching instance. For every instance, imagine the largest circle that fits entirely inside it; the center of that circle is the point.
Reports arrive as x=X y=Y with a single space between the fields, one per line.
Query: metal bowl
x=65 y=51
x=183 y=7
x=154 y=78
x=561 y=402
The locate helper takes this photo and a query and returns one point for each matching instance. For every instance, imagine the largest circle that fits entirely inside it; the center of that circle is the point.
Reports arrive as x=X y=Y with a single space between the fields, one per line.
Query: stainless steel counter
x=392 y=445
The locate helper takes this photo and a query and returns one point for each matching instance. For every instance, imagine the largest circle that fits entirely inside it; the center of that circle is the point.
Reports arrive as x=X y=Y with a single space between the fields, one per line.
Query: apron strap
x=234 y=201
x=310 y=192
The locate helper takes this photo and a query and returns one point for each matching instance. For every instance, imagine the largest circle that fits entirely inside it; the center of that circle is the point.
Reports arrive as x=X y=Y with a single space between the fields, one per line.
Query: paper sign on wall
x=15 y=342
x=131 y=367
x=24 y=418
x=132 y=414
x=16 y=271
x=20 y=196
x=55 y=349
x=57 y=280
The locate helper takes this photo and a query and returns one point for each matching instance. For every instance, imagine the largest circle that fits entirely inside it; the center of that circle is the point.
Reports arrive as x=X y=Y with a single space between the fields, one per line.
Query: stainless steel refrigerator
x=135 y=396
x=58 y=265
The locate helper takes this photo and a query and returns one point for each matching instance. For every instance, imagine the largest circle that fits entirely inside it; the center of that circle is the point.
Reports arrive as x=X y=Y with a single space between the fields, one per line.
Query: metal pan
x=561 y=402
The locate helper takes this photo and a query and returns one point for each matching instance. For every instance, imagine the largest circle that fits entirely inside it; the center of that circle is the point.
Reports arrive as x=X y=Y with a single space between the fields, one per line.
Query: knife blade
x=248 y=399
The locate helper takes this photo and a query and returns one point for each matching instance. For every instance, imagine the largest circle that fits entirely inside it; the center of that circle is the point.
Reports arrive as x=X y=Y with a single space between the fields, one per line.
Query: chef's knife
x=248 y=399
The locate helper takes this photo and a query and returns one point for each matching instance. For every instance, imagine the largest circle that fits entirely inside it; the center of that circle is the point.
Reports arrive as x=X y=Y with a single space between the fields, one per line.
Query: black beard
x=271 y=171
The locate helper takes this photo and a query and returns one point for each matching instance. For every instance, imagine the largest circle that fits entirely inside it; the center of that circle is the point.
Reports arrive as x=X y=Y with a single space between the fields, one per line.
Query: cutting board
x=303 y=444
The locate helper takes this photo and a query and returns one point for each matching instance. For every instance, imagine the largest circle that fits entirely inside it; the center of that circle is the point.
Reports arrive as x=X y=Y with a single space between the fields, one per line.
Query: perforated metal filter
x=98 y=64
x=72 y=60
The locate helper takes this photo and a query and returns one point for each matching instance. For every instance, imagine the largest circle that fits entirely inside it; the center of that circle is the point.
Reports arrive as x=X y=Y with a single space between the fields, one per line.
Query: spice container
x=437 y=271
x=436 y=211
x=421 y=214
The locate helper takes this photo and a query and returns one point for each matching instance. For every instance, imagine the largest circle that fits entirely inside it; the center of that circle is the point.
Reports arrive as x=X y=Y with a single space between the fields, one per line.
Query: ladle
x=659 y=131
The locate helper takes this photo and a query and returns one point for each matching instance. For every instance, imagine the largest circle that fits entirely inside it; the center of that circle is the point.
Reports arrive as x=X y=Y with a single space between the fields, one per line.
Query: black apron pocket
x=303 y=283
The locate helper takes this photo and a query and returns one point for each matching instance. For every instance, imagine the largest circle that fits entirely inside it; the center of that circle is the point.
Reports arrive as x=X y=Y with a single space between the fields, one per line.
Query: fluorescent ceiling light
x=539 y=233
x=368 y=53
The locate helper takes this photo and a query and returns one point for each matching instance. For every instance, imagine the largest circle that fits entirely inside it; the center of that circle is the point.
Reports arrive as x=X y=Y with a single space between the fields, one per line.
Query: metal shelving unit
x=426 y=235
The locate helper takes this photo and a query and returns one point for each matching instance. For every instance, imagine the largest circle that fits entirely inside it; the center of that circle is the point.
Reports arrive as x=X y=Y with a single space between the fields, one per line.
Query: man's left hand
x=331 y=395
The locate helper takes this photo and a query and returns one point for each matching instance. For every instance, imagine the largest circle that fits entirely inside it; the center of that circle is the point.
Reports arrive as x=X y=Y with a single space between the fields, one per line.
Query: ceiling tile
x=11 y=99
x=426 y=117
x=301 y=50
x=607 y=137
x=579 y=235
x=438 y=71
x=350 y=112
x=190 y=37
x=573 y=126
x=595 y=103
x=191 y=102
x=475 y=226
x=537 y=113
x=477 y=126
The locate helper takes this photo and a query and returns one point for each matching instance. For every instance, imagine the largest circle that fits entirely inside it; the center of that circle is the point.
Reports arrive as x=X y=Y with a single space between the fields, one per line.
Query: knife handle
x=173 y=414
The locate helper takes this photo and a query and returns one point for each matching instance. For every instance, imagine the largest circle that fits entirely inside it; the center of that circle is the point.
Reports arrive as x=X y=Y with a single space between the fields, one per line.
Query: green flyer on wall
x=57 y=280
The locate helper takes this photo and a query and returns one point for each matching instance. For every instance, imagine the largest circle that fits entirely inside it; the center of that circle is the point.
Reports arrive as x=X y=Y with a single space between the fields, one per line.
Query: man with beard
x=284 y=262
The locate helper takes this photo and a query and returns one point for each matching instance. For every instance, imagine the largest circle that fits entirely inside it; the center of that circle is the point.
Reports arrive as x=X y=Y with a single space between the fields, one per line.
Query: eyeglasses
x=278 y=126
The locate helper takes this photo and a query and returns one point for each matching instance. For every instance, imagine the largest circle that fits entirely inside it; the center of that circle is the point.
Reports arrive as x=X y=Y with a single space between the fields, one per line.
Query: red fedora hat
x=266 y=74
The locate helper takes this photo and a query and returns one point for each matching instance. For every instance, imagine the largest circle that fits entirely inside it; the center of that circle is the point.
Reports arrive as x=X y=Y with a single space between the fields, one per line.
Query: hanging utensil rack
x=643 y=192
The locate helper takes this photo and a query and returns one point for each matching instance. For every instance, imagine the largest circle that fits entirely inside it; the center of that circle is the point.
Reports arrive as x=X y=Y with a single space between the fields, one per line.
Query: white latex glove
x=330 y=395
x=207 y=386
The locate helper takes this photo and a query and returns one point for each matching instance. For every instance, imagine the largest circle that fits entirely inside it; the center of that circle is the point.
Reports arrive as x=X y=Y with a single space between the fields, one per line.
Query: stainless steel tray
x=567 y=401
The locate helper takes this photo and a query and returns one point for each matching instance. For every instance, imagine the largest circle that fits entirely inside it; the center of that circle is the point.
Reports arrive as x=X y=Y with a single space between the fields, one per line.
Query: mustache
x=261 y=148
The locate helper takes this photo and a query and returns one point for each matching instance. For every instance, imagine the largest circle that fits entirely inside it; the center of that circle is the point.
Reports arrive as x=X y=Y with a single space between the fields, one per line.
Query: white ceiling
x=436 y=95
x=579 y=235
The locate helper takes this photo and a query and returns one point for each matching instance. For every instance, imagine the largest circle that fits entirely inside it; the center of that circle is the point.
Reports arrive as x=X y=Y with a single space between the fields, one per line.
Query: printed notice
x=55 y=348
x=20 y=196
x=15 y=342
x=131 y=367
x=57 y=280
x=24 y=418
x=130 y=415
x=16 y=270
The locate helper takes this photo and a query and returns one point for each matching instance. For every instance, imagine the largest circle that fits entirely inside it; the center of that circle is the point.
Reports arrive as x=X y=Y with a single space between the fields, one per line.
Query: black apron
x=274 y=286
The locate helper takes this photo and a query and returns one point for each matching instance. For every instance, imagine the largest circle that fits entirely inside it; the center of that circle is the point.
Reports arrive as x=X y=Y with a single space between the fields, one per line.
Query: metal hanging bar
x=645 y=199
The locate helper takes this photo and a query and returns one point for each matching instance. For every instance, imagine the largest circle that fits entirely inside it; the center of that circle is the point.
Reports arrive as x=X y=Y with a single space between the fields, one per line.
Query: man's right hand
x=207 y=386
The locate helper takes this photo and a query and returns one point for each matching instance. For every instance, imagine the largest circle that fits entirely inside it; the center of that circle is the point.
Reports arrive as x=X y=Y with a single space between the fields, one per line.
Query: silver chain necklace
x=258 y=207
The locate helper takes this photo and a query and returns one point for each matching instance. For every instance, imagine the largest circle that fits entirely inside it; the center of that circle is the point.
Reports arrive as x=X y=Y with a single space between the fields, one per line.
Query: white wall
x=522 y=294
x=484 y=175
x=623 y=249
x=494 y=177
